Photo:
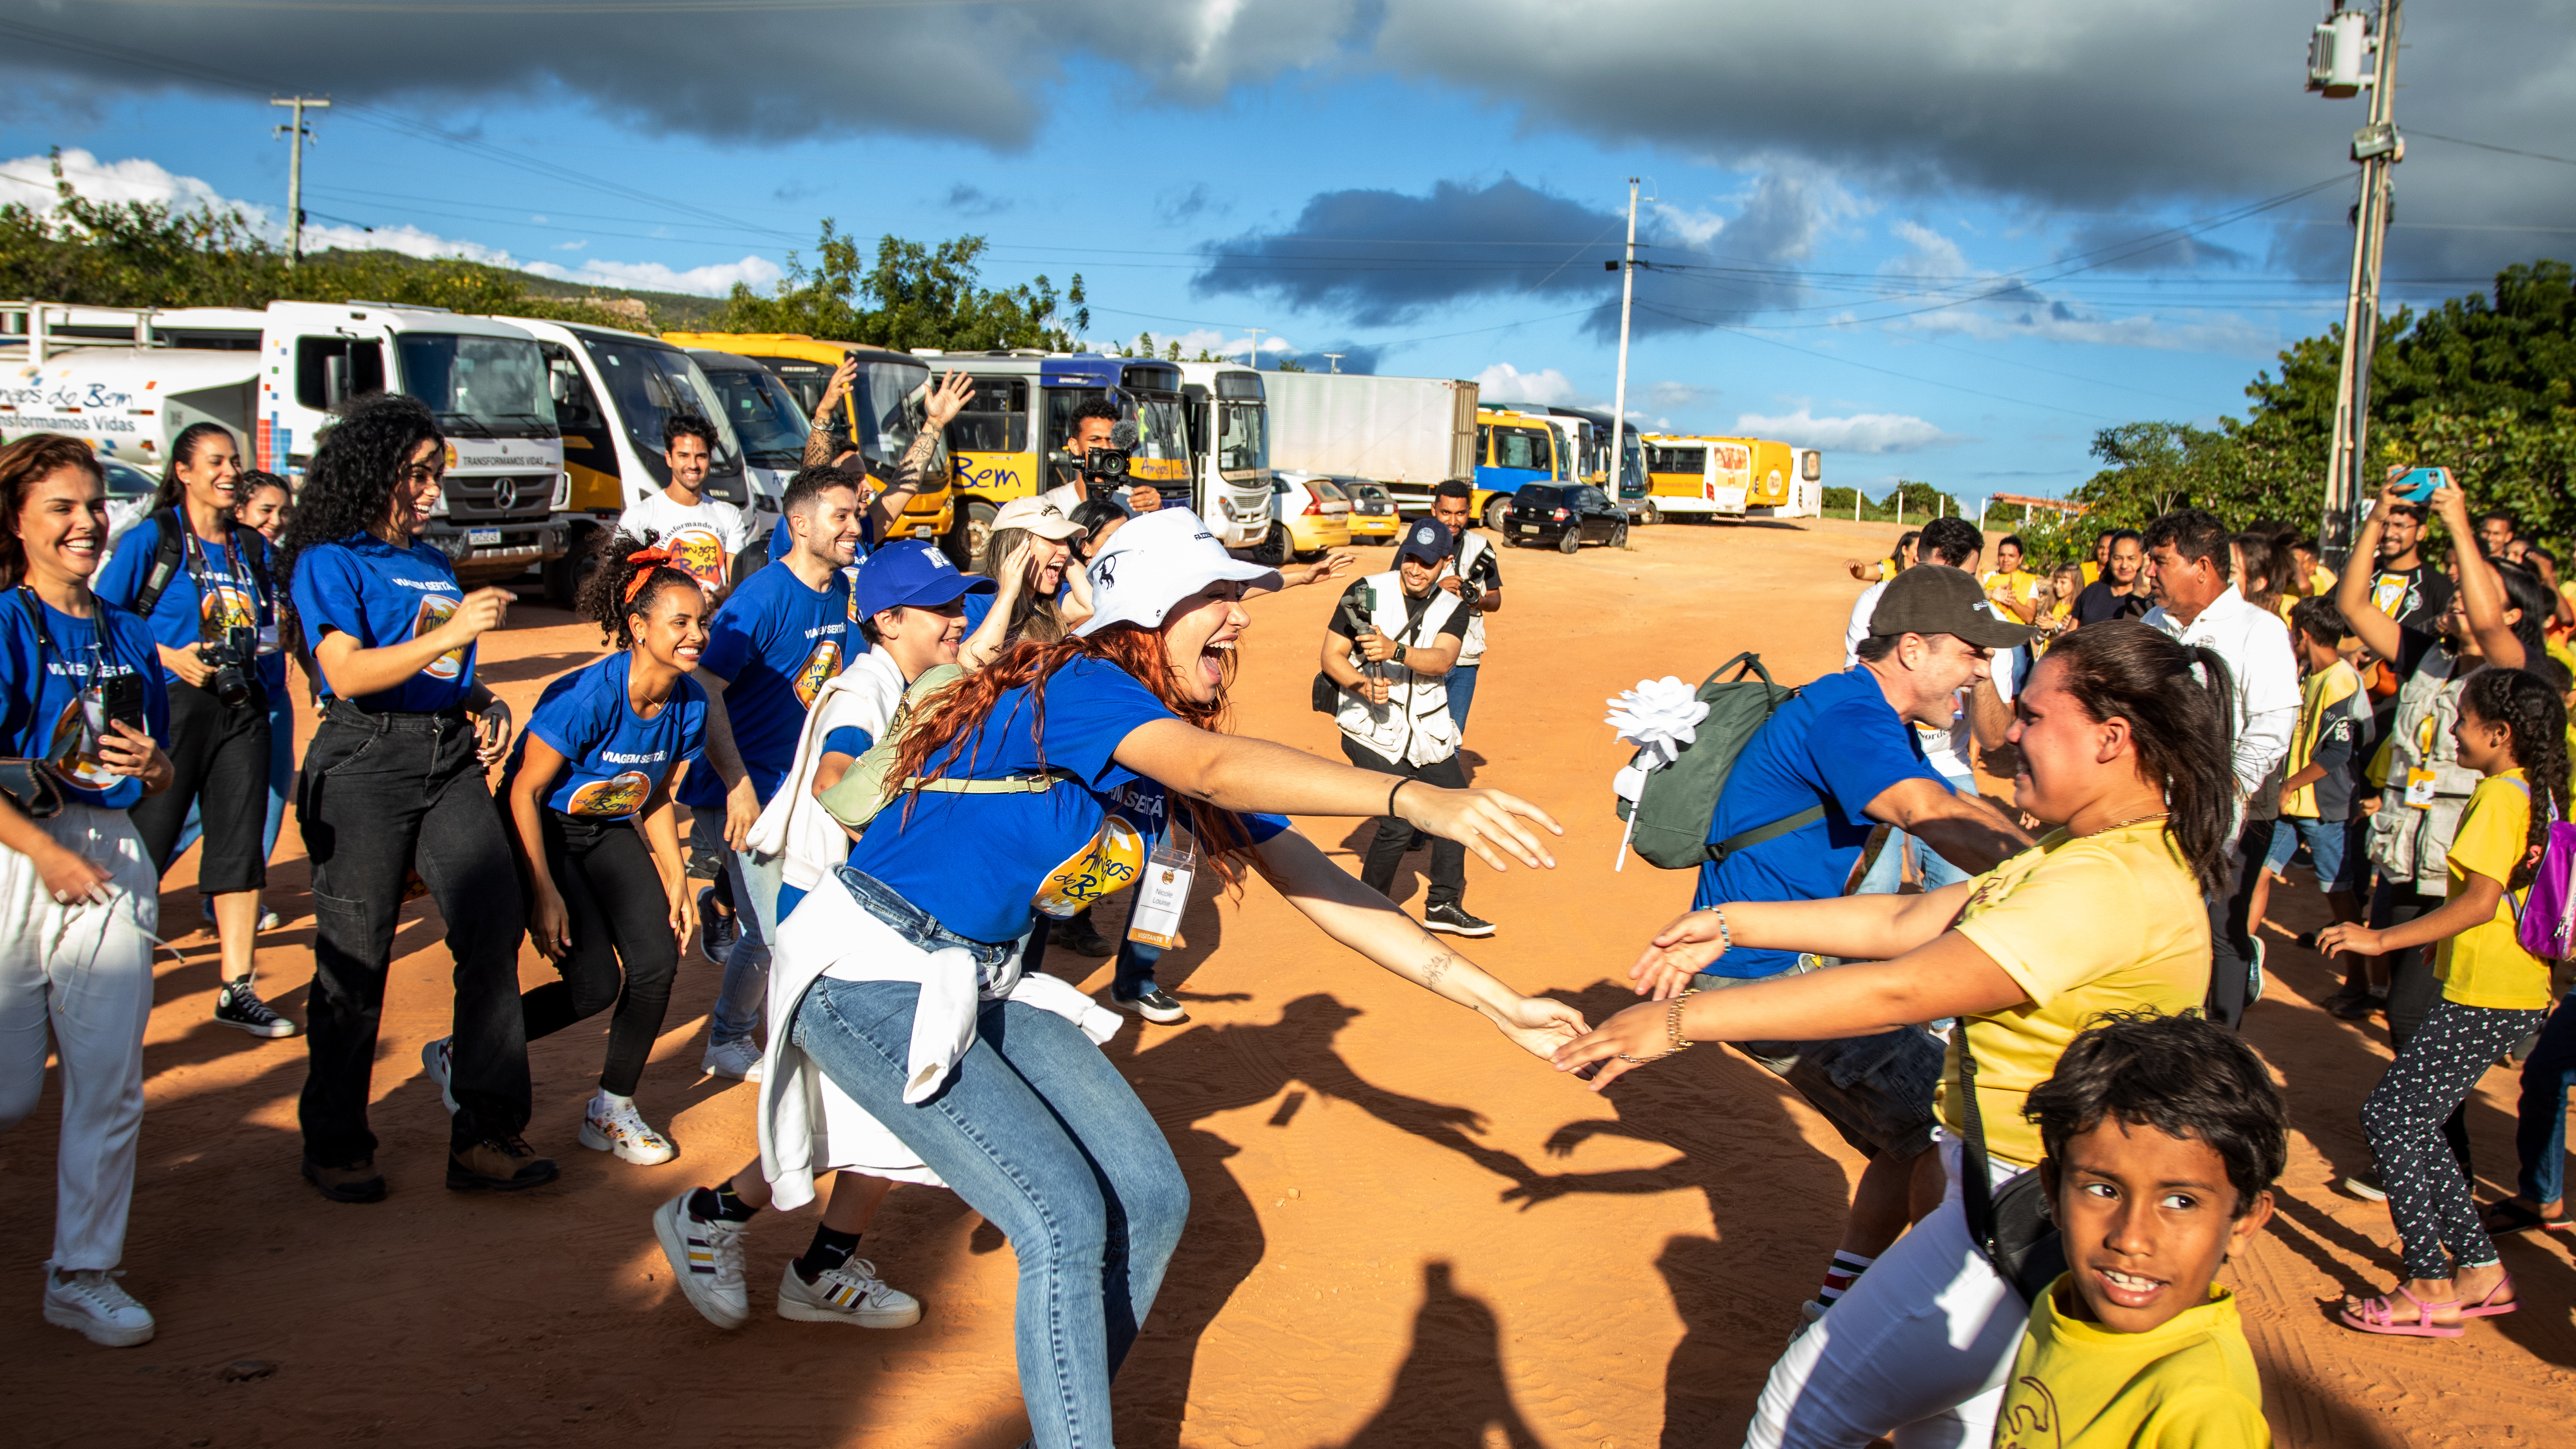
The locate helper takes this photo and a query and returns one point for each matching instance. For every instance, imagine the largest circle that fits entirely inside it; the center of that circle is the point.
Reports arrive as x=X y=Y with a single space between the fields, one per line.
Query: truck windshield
x=1243 y=437
x=482 y=387
x=765 y=418
x=648 y=383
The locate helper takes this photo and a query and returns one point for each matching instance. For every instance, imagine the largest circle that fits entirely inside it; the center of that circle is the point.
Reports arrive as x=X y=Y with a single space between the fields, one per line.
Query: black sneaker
x=716 y=931
x=1078 y=937
x=501 y=1164
x=1455 y=921
x=240 y=1008
x=1157 y=1006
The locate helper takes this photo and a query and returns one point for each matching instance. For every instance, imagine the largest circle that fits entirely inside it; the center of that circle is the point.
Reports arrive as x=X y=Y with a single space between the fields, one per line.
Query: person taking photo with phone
x=83 y=709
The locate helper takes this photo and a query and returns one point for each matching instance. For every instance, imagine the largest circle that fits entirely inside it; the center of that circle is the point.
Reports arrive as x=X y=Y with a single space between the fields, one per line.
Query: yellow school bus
x=881 y=415
x=1009 y=441
x=1720 y=477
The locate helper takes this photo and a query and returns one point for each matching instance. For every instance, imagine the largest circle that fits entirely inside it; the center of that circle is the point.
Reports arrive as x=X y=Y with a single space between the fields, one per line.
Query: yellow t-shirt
x=2111 y=921
x=2319 y=692
x=2485 y=965
x=2190 y=1384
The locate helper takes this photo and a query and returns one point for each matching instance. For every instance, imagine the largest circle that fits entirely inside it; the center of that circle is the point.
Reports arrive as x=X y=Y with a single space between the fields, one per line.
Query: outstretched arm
x=1369 y=923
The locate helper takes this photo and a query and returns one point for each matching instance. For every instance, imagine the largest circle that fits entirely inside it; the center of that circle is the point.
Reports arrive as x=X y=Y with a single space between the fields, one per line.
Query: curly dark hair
x=604 y=598
x=34 y=456
x=183 y=449
x=2529 y=707
x=2183 y=1075
x=350 y=486
x=2183 y=726
x=688 y=425
x=1098 y=407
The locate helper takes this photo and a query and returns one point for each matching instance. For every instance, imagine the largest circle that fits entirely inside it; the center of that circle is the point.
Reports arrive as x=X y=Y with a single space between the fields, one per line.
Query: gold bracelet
x=1672 y=1032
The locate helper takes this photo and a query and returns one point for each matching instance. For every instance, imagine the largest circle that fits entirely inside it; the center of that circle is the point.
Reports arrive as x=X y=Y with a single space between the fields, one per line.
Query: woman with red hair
x=1021 y=793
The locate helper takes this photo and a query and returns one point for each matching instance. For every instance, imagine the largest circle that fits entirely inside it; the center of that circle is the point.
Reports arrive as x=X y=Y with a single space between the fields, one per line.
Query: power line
x=2486 y=146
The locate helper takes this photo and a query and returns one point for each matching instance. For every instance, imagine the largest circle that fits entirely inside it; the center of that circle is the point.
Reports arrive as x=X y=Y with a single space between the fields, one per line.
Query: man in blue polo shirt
x=1831 y=764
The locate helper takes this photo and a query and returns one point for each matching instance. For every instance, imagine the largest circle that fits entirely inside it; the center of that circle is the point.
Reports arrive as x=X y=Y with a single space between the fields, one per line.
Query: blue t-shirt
x=778 y=642
x=63 y=720
x=979 y=863
x=617 y=758
x=1837 y=744
x=380 y=595
x=214 y=590
x=848 y=740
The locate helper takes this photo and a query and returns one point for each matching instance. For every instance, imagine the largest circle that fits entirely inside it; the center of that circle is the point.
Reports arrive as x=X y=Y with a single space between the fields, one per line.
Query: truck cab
x=130 y=379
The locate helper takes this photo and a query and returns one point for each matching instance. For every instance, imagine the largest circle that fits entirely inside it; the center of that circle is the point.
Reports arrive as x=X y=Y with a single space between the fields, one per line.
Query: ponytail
x=2180 y=703
x=2529 y=707
x=631 y=574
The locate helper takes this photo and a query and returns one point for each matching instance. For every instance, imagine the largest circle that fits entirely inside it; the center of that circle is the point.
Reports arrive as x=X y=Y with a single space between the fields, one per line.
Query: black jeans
x=2412 y=990
x=622 y=947
x=1448 y=857
x=218 y=763
x=382 y=795
x=2231 y=949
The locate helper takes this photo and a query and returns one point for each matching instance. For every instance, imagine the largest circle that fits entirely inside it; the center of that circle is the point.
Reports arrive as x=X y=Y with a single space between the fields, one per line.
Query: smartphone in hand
x=2418 y=486
x=122 y=695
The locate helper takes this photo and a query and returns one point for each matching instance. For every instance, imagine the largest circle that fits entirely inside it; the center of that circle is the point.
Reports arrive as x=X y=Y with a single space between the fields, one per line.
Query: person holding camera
x=83 y=707
x=199 y=577
x=394 y=783
x=1389 y=649
x=1474 y=578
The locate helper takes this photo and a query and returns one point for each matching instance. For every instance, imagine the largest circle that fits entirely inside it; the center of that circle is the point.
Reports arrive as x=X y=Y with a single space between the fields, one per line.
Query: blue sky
x=1935 y=260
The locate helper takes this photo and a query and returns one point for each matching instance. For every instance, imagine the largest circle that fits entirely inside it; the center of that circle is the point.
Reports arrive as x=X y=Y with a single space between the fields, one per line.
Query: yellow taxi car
x=1373 y=515
x=1315 y=509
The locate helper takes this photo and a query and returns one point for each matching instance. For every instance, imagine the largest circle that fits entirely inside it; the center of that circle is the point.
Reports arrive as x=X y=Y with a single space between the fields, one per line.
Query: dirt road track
x=1405 y=1233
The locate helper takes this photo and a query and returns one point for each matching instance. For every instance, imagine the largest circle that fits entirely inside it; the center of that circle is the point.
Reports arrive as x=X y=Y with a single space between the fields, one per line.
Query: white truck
x=129 y=380
x=1409 y=433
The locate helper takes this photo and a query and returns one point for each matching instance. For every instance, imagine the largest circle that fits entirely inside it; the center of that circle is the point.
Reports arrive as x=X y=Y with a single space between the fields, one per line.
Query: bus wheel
x=1498 y=512
x=1648 y=516
x=965 y=541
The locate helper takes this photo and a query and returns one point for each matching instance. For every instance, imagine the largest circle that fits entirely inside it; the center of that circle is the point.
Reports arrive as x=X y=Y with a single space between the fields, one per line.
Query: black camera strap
x=101 y=646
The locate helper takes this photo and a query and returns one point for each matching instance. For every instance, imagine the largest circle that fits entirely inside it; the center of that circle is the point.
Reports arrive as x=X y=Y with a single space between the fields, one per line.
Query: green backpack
x=865 y=791
x=1678 y=801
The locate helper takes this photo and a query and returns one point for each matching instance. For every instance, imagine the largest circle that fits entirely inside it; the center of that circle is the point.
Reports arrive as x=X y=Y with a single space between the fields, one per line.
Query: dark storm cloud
x=2123 y=245
x=976 y=201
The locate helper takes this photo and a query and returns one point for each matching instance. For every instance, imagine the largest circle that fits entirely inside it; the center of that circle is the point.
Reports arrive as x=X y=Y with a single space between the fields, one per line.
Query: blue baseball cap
x=1428 y=541
x=911 y=573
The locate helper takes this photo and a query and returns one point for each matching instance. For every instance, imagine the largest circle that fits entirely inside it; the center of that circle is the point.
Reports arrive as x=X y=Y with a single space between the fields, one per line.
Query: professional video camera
x=1104 y=470
x=231 y=662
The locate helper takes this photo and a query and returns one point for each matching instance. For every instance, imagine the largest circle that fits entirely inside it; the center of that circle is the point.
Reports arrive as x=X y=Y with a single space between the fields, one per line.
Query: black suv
x=1567 y=517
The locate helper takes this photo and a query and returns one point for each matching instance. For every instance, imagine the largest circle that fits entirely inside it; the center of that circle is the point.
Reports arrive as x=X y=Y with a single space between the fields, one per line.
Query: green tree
x=909 y=296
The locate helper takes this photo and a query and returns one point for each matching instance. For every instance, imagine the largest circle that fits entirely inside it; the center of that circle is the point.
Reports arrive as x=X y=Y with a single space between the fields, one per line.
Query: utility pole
x=1256 y=345
x=1619 y=399
x=2334 y=67
x=1335 y=358
x=297 y=138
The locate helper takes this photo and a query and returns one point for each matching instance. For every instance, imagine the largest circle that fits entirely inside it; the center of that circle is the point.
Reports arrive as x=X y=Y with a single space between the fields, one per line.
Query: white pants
x=85 y=972
x=1918 y=1350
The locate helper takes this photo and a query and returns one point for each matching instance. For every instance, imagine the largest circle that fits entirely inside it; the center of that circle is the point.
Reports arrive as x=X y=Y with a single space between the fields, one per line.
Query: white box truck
x=128 y=380
x=1409 y=433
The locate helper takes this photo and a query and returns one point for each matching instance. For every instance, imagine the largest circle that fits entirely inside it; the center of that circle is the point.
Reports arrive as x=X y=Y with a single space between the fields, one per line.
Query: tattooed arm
x=1368 y=923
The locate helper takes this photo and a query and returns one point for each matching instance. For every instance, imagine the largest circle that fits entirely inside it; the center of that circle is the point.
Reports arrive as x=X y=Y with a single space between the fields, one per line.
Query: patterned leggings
x=2435 y=1071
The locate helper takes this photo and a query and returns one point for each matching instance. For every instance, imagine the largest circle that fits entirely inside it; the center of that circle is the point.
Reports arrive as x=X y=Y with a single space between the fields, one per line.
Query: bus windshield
x=1243 y=437
x=1160 y=433
x=892 y=398
x=648 y=383
x=480 y=387
x=765 y=418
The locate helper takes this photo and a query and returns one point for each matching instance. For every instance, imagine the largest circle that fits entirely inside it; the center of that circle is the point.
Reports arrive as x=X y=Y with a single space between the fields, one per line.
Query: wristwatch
x=1399 y=652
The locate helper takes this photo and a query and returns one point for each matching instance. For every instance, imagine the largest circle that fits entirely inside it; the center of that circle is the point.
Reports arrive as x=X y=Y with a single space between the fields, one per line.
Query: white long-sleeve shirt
x=2256 y=645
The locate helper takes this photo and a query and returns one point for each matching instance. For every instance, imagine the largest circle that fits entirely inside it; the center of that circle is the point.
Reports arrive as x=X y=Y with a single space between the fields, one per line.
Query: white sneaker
x=622 y=1129
x=850 y=1293
x=739 y=1060
x=88 y=1299
x=706 y=1260
x=438 y=1058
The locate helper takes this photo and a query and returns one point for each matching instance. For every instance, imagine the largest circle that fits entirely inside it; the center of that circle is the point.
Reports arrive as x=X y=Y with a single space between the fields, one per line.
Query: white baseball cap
x=1038 y=516
x=1156 y=561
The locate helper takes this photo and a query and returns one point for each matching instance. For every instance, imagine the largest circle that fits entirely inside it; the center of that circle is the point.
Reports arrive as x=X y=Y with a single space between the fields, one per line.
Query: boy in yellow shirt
x=2164 y=1135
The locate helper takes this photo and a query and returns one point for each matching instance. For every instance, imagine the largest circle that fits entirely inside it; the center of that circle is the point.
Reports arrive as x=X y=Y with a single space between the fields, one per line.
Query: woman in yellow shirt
x=2123 y=738
x=2512 y=729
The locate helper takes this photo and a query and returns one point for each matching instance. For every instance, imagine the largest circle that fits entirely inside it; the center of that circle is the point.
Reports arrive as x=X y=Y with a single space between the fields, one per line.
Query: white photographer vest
x=1413 y=727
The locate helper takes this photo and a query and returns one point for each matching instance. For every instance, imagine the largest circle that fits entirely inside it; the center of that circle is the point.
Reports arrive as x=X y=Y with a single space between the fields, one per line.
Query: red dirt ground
x=1405 y=1233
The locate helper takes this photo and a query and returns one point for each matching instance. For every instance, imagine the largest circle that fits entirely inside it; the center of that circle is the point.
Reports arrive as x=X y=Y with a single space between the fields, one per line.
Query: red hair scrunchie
x=651 y=558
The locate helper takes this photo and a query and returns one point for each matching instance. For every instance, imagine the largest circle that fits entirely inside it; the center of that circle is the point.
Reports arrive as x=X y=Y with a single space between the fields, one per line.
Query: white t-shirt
x=1858 y=629
x=702 y=539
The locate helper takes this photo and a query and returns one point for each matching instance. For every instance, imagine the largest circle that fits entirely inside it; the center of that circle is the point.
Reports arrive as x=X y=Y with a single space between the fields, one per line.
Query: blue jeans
x=1135 y=975
x=743 y=1000
x=2540 y=1132
x=1887 y=872
x=1038 y=1132
x=1462 y=693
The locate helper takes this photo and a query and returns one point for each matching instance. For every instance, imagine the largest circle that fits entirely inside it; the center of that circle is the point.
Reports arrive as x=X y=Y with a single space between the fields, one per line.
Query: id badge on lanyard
x=2419 y=788
x=1155 y=919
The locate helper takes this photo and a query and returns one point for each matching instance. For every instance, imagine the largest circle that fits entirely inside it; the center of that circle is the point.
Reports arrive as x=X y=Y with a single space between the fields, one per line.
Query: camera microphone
x=1123 y=436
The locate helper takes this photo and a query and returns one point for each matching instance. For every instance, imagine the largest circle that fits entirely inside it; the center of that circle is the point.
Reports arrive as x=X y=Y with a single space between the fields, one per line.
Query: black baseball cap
x=1935 y=599
x=1426 y=540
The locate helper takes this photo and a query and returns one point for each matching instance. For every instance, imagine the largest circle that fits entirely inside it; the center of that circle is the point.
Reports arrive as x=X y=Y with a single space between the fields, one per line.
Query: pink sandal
x=2375 y=1317
x=2487 y=1307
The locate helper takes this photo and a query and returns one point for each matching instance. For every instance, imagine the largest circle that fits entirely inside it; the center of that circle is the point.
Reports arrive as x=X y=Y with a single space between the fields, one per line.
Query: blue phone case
x=2418 y=486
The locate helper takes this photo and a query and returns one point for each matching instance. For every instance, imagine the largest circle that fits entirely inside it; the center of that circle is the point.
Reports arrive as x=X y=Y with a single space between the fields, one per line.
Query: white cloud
x=1859 y=433
x=28 y=180
x=1547 y=386
x=1679 y=394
